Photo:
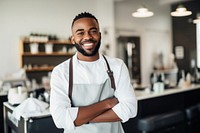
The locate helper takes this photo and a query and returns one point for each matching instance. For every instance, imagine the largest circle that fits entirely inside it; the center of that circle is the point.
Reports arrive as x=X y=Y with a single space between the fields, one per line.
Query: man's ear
x=72 y=39
x=100 y=35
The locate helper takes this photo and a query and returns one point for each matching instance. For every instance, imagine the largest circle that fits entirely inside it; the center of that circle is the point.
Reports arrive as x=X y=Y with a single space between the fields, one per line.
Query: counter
x=34 y=124
x=149 y=103
x=143 y=95
x=170 y=100
x=3 y=98
x=3 y=93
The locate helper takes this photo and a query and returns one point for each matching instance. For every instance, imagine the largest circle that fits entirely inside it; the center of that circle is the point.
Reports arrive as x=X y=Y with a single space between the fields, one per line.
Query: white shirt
x=90 y=73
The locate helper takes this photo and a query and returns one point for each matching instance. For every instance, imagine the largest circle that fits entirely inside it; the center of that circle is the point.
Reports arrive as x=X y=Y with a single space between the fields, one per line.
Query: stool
x=193 y=118
x=160 y=122
x=193 y=112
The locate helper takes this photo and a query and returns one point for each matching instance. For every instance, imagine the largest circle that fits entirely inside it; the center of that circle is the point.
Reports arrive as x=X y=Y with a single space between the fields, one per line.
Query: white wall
x=21 y=17
x=155 y=32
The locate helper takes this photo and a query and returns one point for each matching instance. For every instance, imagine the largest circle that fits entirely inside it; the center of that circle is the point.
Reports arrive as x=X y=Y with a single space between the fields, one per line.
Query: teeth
x=88 y=44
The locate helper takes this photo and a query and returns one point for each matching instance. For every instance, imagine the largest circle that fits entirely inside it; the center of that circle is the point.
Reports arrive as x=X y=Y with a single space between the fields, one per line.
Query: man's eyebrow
x=79 y=30
x=93 y=28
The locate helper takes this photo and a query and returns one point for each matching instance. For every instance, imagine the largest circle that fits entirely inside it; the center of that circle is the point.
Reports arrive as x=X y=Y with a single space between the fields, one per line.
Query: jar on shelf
x=34 y=48
x=48 y=48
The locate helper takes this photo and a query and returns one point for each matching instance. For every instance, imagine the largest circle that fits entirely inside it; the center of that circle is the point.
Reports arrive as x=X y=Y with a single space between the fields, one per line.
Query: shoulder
x=118 y=67
x=62 y=67
x=114 y=61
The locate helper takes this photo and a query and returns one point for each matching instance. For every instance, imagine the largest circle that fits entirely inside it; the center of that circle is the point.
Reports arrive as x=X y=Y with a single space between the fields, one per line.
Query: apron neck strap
x=110 y=74
x=70 y=79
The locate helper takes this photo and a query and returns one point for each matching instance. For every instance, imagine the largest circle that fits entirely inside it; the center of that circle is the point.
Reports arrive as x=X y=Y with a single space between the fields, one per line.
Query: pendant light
x=197 y=20
x=142 y=12
x=181 y=11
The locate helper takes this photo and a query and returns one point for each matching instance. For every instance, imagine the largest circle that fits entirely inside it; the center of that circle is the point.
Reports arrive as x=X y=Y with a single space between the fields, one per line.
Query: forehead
x=85 y=23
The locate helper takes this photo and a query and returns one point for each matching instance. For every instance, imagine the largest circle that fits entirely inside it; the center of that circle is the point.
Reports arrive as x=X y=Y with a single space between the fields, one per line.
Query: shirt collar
x=75 y=57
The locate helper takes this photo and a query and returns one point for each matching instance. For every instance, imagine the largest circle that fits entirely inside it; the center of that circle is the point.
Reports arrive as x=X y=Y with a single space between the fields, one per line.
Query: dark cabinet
x=184 y=34
x=3 y=98
x=164 y=110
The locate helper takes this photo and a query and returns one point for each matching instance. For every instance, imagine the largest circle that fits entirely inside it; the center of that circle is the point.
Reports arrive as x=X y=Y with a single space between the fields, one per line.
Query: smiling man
x=91 y=93
x=86 y=36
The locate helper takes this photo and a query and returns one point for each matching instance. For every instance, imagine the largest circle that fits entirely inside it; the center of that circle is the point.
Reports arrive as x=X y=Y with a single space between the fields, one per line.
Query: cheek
x=77 y=40
x=97 y=37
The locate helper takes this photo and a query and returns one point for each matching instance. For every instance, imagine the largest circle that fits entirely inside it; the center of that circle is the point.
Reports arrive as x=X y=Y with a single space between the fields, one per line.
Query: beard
x=82 y=51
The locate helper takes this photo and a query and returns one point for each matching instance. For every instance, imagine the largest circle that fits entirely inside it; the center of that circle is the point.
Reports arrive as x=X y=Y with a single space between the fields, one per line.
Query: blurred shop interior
x=160 y=48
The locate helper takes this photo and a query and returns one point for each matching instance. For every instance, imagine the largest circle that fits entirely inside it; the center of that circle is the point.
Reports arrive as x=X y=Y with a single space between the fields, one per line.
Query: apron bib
x=87 y=94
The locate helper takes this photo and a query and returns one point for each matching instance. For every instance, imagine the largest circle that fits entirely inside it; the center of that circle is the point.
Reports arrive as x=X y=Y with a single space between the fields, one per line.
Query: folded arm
x=107 y=116
x=95 y=112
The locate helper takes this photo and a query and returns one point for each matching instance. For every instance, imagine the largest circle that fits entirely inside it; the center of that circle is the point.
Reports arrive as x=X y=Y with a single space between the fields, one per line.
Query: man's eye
x=93 y=31
x=80 y=33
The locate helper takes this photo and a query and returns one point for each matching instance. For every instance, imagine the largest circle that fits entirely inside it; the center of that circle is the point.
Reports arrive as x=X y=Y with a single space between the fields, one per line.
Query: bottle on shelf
x=153 y=79
x=194 y=72
x=183 y=81
x=157 y=82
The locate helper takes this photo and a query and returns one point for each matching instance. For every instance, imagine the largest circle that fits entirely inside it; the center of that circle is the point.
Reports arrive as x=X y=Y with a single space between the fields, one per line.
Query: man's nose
x=87 y=36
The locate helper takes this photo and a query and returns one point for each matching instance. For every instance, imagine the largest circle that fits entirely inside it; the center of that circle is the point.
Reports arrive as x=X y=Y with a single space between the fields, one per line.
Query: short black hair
x=84 y=15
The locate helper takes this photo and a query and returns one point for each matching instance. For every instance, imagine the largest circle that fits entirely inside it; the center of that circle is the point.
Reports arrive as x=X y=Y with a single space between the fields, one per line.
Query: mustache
x=88 y=41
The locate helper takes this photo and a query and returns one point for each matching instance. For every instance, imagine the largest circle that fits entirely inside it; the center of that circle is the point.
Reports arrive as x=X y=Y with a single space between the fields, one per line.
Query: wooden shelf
x=51 y=42
x=36 y=69
x=41 y=63
x=46 y=54
x=175 y=70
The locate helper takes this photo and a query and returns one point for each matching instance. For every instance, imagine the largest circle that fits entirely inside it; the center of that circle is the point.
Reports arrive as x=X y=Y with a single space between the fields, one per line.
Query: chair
x=193 y=118
x=166 y=123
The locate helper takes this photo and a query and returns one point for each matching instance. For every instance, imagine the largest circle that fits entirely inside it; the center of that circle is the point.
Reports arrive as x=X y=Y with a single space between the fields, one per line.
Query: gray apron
x=87 y=94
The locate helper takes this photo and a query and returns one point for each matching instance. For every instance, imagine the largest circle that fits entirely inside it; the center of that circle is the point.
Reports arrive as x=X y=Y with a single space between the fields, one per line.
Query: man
x=84 y=97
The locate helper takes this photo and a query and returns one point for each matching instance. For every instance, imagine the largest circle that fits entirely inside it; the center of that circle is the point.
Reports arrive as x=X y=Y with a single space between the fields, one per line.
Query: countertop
x=3 y=93
x=146 y=94
x=36 y=115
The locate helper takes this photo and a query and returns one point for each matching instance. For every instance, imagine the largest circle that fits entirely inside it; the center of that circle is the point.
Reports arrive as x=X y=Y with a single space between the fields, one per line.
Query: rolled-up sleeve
x=60 y=106
x=127 y=106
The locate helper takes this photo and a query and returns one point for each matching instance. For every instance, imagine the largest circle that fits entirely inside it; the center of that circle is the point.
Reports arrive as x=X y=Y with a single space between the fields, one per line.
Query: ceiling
x=162 y=2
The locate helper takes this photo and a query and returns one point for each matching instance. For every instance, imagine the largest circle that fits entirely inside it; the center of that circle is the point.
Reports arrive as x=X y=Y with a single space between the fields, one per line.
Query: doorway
x=128 y=50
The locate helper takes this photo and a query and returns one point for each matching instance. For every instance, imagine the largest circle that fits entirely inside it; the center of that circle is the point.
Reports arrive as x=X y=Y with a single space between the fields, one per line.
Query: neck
x=87 y=58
